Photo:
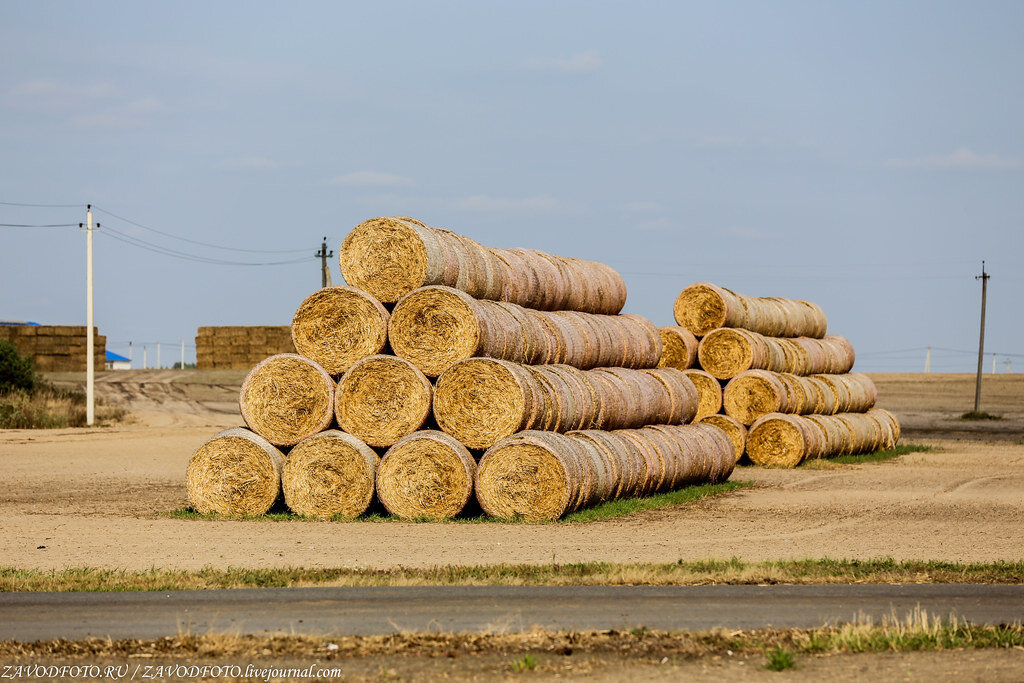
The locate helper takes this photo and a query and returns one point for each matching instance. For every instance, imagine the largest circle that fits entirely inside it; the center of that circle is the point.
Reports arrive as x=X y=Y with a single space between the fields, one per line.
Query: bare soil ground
x=101 y=497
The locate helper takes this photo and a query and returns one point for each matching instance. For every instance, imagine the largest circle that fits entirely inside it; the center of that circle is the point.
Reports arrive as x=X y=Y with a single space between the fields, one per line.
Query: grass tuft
x=980 y=415
x=525 y=663
x=780 y=659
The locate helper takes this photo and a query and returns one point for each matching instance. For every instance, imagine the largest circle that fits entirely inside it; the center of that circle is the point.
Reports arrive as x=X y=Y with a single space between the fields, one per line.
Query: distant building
x=116 y=361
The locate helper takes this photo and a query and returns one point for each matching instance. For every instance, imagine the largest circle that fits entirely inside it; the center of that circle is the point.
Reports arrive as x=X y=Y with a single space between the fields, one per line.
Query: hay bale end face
x=777 y=440
x=380 y=399
x=532 y=475
x=337 y=326
x=389 y=257
x=236 y=472
x=287 y=398
x=435 y=327
x=426 y=474
x=679 y=347
x=709 y=393
x=482 y=400
x=735 y=430
x=330 y=473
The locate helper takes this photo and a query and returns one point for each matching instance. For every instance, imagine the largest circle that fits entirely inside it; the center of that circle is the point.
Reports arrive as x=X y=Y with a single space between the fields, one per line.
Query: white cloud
x=370 y=179
x=246 y=163
x=579 y=63
x=961 y=158
x=485 y=204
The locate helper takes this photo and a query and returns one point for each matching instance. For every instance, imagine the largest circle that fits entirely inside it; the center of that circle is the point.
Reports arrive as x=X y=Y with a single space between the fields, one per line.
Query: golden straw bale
x=894 y=424
x=679 y=347
x=726 y=352
x=683 y=395
x=703 y=307
x=435 y=327
x=380 y=399
x=330 y=473
x=620 y=467
x=649 y=461
x=709 y=391
x=389 y=257
x=480 y=401
x=426 y=474
x=733 y=428
x=286 y=398
x=236 y=472
x=337 y=326
x=754 y=393
x=531 y=475
x=720 y=448
x=777 y=440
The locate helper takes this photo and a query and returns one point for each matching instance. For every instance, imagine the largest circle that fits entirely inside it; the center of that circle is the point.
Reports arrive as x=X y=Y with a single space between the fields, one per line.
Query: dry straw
x=390 y=257
x=435 y=327
x=236 y=472
x=726 y=352
x=381 y=399
x=754 y=393
x=337 y=326
x=330 y=473
x=735 y=429
x=286 y=398
x=709 y=392
x=426 y=474
x=679 y=347
x=482 y=400
x=703 y=307
x=779 y=440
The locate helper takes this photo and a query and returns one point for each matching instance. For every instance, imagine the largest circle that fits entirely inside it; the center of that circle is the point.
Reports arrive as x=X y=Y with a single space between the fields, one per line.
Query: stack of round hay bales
x=678 y=347
x=330 y=473
x=726 y=352
x=754 y=393
x=483 y=400
x=287 y=398
x=390 y=257
x=381 y=398
x=435 y=327
x=779 y=440
x=735 y=429
x=236 y=472
x=536 y=475
x=338 y=326
x=703 y=307
x=427 y=474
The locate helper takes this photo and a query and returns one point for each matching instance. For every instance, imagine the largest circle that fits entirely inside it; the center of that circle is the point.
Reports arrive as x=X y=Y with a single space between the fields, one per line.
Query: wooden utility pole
x=323 y=254
x=981 y=338
x=90 y=350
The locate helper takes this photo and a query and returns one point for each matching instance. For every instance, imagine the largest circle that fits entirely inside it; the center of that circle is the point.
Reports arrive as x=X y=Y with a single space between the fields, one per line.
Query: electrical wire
x=157 y=249
x=38 y=225
x=191 y=241
x=46 y=206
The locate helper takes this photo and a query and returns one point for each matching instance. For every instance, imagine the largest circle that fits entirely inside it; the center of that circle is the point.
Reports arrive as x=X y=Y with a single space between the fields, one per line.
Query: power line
x=158 y=249
x=204 y=244
x=38 y=225
x=45 y=206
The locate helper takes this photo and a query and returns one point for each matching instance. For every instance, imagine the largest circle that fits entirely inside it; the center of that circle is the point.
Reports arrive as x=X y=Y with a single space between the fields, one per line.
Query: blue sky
x=866 y=156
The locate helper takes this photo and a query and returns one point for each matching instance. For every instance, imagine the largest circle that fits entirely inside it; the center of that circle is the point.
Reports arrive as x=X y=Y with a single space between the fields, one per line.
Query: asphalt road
x=349 y=611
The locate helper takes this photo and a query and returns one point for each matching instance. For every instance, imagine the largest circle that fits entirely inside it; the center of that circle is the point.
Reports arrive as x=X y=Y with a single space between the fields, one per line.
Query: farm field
x=102 y=498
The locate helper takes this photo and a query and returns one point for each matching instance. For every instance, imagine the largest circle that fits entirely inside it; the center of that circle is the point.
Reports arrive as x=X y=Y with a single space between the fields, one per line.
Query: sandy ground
x=101 y=498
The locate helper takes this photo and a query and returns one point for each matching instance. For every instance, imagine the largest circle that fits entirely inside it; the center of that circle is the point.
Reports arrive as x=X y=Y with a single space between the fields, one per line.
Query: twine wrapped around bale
x=286 y=398
x=380 y=399
x=435 y=327
x=480 y=401
x=735 y=430
x=390 y=257
x=709 y=392
x=778 y=440
x=679 y=347
x=337 y=326
x=703 y=307
x=236 y=472
x=330 y=473
x=726 y=352
x=426 y=474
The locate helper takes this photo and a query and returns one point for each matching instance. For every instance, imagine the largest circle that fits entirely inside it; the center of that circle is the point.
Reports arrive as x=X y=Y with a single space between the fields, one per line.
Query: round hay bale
x=435 y=327
x=381 y=399
x=532 y=475
x=683 y=396
x=426 y=474
x=287 y=398
x=481 y=401
x=894 y=424
x=754 y=393
x=703 y=307
x=733 y=428
x=678 y=347
x=337 y=326
x=725 y=352
x=709 y=393
x=390 y=257
x=777 y=440
x=330 y=473
x=236 y=472
x=720 y=449
x=614 y=460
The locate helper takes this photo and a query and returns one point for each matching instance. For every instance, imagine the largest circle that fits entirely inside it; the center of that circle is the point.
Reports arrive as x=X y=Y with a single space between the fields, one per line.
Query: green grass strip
x=860 y=458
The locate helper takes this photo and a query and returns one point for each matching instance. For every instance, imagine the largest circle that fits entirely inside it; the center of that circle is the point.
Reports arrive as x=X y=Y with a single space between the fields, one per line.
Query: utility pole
x=129 y=353
x=90 y=350
x=928 y=360
x=182 y=354
x=993 y=363
x=981 y=338
x=323 y=254
x=143 y=356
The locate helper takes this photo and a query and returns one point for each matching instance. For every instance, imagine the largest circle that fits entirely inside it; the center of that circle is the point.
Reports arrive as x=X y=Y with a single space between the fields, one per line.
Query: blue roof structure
x=111 y=356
